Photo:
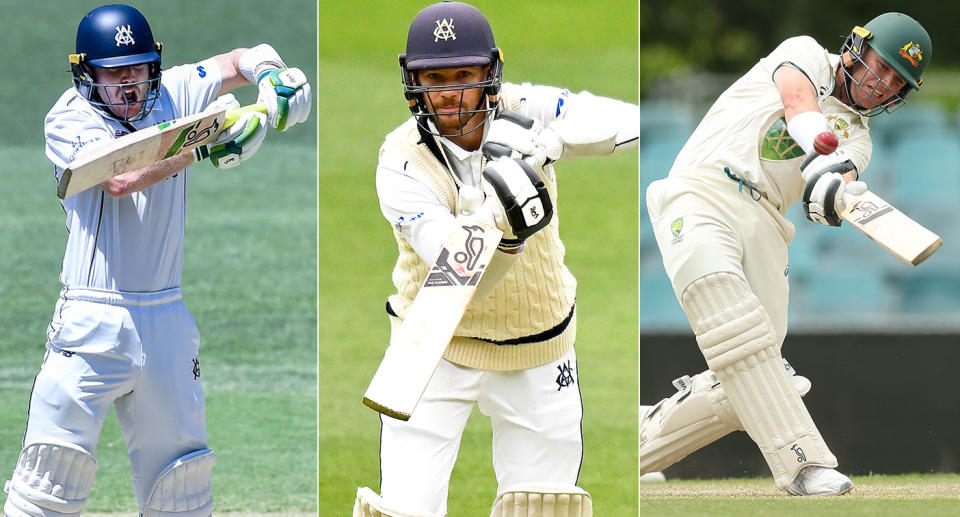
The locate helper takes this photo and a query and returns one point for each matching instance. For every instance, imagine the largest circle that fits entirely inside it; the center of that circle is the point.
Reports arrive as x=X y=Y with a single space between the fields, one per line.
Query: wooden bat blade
x=903 y=237
x=146 y=147
x=417 y=345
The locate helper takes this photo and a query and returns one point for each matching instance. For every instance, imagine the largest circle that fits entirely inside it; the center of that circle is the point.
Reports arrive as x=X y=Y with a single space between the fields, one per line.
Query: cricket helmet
x=114 y=36
x=901 y=42
x=450 y=35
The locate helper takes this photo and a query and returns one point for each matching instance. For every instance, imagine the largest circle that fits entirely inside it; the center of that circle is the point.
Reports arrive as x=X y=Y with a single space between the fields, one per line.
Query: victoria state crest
x=675 y=228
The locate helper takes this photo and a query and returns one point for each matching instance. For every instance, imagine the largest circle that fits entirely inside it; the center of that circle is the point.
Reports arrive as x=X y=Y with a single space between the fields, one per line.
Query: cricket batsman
x=793 y=128
x=120 y=333
x=478 y=145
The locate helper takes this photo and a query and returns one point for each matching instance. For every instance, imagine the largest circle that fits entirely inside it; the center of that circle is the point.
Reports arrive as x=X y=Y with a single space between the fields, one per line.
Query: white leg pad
x=697 y=415
x=50 y=480
x=370 y=504
x=737 y=339
x=183 y=488
x=543 y=501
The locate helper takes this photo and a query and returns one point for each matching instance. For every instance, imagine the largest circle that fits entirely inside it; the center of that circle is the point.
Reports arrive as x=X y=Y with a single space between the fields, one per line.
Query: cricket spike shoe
x=819 y=481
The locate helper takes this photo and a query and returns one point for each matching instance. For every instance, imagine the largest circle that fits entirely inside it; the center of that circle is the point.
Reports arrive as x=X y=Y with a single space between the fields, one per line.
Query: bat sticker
x=462 y=270
x=868 y=211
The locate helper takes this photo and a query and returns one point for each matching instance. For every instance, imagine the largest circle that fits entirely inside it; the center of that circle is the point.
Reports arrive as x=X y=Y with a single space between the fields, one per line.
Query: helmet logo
x=124 y=35
x=912 y=52
x=444 y=30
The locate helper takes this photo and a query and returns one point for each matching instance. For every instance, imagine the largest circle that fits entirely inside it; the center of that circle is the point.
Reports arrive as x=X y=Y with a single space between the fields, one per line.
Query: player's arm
x=806 y=124
x=230 y=76
x=137 y=180
x=556 y=124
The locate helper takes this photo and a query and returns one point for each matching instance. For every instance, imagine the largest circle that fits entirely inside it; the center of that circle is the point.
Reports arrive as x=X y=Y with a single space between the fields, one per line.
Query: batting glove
x=827 y=193
x=286 y=93
x=513 y=134
x=517 y=198
x=237 y=143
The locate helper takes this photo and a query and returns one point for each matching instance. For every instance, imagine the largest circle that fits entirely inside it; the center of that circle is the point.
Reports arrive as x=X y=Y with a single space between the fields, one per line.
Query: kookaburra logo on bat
x=461 y=270
x=866 y=211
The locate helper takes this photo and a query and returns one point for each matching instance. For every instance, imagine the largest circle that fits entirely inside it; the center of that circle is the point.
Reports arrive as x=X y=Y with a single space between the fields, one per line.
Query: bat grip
x=234 y=114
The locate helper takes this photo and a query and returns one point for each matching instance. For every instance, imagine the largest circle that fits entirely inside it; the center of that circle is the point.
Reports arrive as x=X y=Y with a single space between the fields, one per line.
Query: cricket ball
x=825 y=143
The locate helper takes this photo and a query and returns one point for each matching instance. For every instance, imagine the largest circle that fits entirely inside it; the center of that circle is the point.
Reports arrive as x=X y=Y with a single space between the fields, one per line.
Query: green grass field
x=576 y=45
x=250 y=259
x=926 y=495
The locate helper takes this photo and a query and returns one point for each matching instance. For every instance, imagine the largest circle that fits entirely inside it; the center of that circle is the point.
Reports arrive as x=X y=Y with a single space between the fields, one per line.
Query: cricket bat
x=417 y=346
x=146 y=147
x=905 y=238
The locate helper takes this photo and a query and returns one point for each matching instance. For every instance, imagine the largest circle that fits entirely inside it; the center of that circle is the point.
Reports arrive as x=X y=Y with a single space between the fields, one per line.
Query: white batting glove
x=826 y=193
x=517 y=198
x=240 y=141
x=286 y=93
x=224 y=102
x=519 y=136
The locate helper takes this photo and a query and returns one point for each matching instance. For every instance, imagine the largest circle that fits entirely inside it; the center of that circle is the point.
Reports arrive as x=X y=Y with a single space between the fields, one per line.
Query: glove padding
x=827 y=193
x=236 y=143
x=517 y=198
x=518 y=136
x=240 y=141
x=286 y=93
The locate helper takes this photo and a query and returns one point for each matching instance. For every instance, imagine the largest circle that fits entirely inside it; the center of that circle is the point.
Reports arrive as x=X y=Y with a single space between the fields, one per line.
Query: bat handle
x=235 y=114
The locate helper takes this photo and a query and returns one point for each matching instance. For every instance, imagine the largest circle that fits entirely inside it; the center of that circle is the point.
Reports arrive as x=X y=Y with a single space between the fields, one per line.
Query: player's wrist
x=258 y=61
x=804 y=128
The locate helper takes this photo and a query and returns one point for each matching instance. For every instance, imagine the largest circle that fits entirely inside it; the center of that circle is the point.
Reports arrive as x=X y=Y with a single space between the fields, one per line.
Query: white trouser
x=138 y=351
x=722 y=229
x=536 y=415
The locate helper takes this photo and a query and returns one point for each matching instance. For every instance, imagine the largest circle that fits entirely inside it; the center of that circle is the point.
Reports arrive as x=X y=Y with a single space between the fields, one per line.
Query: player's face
x=450 y=106
x=878 y=81
x=131 y=85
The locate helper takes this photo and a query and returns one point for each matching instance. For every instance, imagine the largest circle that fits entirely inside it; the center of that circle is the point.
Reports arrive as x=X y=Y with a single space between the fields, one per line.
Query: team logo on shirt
x=444 y=30
x=675 y=228
x=912 y=52
x=124 y=35
x=840 y=127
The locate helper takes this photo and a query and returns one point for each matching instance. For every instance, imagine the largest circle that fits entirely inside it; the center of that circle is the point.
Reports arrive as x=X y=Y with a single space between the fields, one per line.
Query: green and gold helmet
x=901 y=41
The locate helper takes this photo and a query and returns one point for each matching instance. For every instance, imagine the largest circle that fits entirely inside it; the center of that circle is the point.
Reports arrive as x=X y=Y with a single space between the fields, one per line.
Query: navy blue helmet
x=114 y=36
x=450 y=35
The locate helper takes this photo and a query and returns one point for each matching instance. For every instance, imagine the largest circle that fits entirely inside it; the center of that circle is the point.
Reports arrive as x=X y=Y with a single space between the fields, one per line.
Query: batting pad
x=543 y=501
x=697 y=415
x=50 y=480
x=183 y=488
x=737 y=339
x=369 y=504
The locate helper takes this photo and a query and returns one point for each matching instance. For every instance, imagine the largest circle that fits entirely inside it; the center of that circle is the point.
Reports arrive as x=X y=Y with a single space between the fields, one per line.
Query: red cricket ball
x=825 y=143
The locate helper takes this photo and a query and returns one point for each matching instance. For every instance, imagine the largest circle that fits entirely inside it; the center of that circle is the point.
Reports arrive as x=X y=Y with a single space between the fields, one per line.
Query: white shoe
x=819 y=481
x=653 y=477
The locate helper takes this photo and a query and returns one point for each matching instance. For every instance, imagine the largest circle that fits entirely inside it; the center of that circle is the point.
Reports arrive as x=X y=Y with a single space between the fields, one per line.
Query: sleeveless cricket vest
x=528 y=320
